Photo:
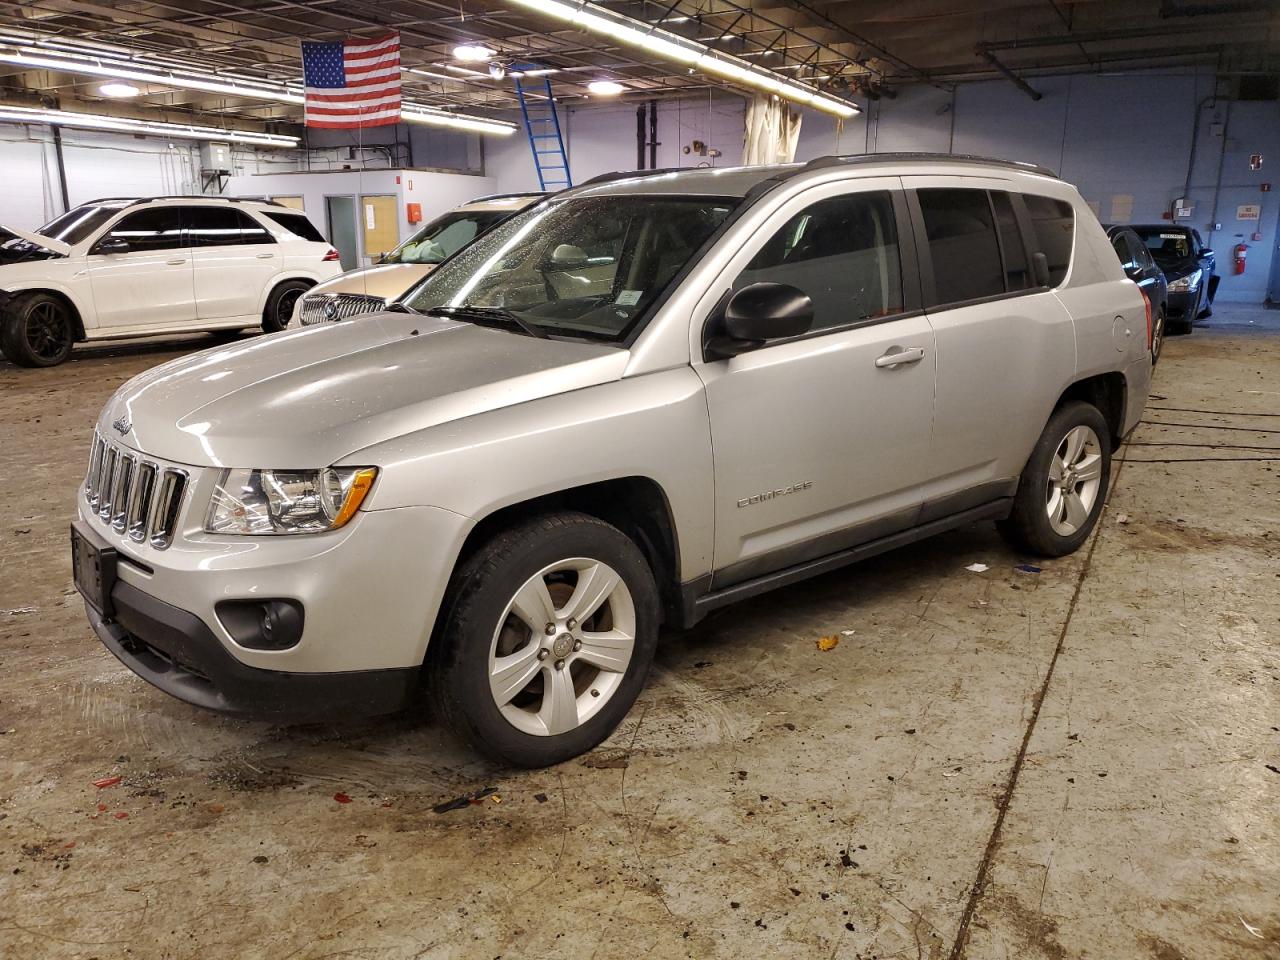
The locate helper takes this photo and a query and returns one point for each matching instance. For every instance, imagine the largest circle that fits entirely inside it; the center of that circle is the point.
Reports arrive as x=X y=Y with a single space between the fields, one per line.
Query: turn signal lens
x=330 y=257
x=362 y=483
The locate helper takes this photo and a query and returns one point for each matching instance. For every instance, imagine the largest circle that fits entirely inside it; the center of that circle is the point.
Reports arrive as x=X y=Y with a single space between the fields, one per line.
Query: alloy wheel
x=47 y=331
x=562 y=646
x=1075 y=477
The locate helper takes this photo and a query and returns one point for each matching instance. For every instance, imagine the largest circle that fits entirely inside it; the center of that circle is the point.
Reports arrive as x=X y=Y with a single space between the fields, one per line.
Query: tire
x=1029 y=526
x=1157 y=338
x=533 y=727
x=279 y=309
x=37 y=330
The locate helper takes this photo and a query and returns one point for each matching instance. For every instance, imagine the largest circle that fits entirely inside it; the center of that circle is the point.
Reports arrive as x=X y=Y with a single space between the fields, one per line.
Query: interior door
x=822 y=441
x=151 y=283
x=341 y=214
x=235 y=260
x=380 y=226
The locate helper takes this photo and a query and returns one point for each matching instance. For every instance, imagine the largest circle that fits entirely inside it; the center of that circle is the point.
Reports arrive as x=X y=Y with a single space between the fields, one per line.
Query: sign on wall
x=1249 y=211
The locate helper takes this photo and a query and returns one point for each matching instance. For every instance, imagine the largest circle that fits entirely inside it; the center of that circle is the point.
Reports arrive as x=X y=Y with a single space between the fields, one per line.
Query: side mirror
x=1133 y=271
x=1040 y=264
x=567 y=256
x=112 y=245
x=759 y=313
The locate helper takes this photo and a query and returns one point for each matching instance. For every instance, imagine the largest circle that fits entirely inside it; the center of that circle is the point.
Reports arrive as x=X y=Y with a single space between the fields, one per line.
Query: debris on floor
x=1122 y=518
x=105 y=782
x=466 y=800
x=1028 y=568
x=827 y=643
x=341 y=798
x=847 y=633
x=617 y=762
x=977 y=568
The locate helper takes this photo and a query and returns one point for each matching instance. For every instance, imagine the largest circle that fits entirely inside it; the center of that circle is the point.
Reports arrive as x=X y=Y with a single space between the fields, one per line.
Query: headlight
x=269 y=502
x=1186 y=284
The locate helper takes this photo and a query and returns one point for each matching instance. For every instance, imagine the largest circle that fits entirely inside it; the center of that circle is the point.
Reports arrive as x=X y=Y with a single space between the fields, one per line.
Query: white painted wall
x=103 y=165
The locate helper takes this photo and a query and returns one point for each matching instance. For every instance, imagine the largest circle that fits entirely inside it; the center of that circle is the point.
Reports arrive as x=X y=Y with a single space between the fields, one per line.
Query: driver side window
x=843 y=253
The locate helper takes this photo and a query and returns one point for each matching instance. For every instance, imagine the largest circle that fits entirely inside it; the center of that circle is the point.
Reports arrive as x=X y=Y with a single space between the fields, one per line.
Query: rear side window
x=1053 y=223
x=961 y=232
x=298 y=224
x=843 y=253
x=223 y=227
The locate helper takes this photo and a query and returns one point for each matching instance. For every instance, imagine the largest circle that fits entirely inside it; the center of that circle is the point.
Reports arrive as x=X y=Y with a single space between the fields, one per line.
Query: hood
x=50 y=244
x=387 y=281
x=310 y=397
x=1176 y=269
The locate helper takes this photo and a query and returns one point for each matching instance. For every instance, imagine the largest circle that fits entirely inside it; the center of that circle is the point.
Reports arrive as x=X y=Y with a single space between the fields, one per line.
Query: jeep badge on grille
x=122 y=426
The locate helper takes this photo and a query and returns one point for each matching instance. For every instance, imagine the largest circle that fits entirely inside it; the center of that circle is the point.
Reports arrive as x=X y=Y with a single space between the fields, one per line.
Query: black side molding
x=698 y=601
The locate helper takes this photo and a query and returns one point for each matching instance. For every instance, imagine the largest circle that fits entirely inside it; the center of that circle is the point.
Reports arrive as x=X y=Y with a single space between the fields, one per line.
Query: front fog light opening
x=262 y=624
x=273 y=502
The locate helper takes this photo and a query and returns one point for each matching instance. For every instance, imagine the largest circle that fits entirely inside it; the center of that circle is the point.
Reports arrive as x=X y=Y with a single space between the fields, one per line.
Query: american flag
x=352 y=83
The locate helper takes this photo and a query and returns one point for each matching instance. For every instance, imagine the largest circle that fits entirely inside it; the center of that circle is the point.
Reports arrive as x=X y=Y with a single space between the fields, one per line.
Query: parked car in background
x=1140 y=267
x=506 y=485
x=1189 y=267
x=365 y=291
x=136 y=267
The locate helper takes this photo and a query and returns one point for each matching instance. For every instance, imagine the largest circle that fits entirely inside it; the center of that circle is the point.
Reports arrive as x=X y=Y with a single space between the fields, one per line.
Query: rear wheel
x=1064 y=484
x=37 y=330
x=548 y=640
x=279 y=309
x=1157 y=337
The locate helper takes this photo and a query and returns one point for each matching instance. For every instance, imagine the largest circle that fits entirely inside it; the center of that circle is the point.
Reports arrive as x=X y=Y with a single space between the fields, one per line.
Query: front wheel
x=1064 y=484
x=548 y=639
x=36 y=330
x=280 y=304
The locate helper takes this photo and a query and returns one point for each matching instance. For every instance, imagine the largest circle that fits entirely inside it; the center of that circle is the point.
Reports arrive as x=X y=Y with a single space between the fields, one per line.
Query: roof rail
x=630 y=174
x=510 y=196
x=131 y=201
x=962 y=158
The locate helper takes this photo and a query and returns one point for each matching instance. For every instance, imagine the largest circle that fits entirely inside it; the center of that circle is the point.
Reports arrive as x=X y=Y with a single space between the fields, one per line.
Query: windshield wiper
x=488 y=315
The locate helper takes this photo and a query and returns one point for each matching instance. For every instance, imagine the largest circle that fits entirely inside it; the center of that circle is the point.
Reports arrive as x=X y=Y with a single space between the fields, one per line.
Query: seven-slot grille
x=328 y=307
x=137 y=497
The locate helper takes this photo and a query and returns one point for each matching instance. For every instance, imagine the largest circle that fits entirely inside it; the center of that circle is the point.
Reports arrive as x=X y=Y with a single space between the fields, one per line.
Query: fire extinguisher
x=1238 y=256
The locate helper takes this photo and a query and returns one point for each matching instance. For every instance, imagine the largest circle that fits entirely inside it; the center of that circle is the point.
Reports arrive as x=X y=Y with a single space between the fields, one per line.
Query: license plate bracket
x=93 y=567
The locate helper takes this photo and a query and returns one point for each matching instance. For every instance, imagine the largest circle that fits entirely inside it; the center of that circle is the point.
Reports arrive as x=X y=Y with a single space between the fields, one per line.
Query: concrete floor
x=1083 y=762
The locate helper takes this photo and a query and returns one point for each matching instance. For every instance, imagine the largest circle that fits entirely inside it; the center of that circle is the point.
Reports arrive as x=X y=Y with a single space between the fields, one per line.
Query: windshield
x=1168 y=245
x=585 y=267
x=445 y=236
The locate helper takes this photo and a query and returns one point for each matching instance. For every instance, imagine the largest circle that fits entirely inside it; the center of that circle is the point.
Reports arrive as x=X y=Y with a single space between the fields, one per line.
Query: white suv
x=135 y=267
x=638 y=401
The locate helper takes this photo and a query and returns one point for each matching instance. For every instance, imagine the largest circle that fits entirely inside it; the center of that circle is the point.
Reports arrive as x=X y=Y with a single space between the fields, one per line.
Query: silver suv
x=646 y=398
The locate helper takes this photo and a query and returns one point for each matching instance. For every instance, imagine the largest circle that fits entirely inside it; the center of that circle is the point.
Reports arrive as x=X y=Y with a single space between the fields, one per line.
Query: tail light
x=331 y=256
x=1146 y=304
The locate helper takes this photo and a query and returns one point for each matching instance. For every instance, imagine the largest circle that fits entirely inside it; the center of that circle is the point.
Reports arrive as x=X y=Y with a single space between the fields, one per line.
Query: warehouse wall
x=1124 y=139
x=103 y=165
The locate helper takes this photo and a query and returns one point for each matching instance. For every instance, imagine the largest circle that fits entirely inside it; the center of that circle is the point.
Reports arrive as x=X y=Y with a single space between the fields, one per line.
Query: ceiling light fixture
x=473 y=52
x=118 y=89
x=605 y=88
x=91 y=121
x=671 y=46
x=76 y=63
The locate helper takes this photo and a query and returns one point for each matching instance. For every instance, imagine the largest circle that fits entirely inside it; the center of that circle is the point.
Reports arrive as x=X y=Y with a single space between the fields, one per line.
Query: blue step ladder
x=541 y=123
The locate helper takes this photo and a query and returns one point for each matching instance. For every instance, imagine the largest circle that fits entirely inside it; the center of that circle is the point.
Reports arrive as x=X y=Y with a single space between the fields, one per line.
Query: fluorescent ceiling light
x=141 y=72
x=605 y=88
x=90 y=121
x=473 y=52
x=670 y=46
x=118 y=89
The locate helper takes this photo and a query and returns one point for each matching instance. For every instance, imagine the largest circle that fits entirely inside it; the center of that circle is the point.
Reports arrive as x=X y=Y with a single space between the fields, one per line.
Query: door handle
x=176 y=263
x=895 y=356
x=265 y=256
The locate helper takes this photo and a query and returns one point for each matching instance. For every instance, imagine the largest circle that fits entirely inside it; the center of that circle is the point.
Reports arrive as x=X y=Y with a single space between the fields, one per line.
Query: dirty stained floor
x=1080 y=762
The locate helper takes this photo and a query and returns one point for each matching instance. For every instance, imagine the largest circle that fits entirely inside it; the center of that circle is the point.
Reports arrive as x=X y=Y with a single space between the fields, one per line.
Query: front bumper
x=176 y=651
x=370 y=592
x=1182 y=306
